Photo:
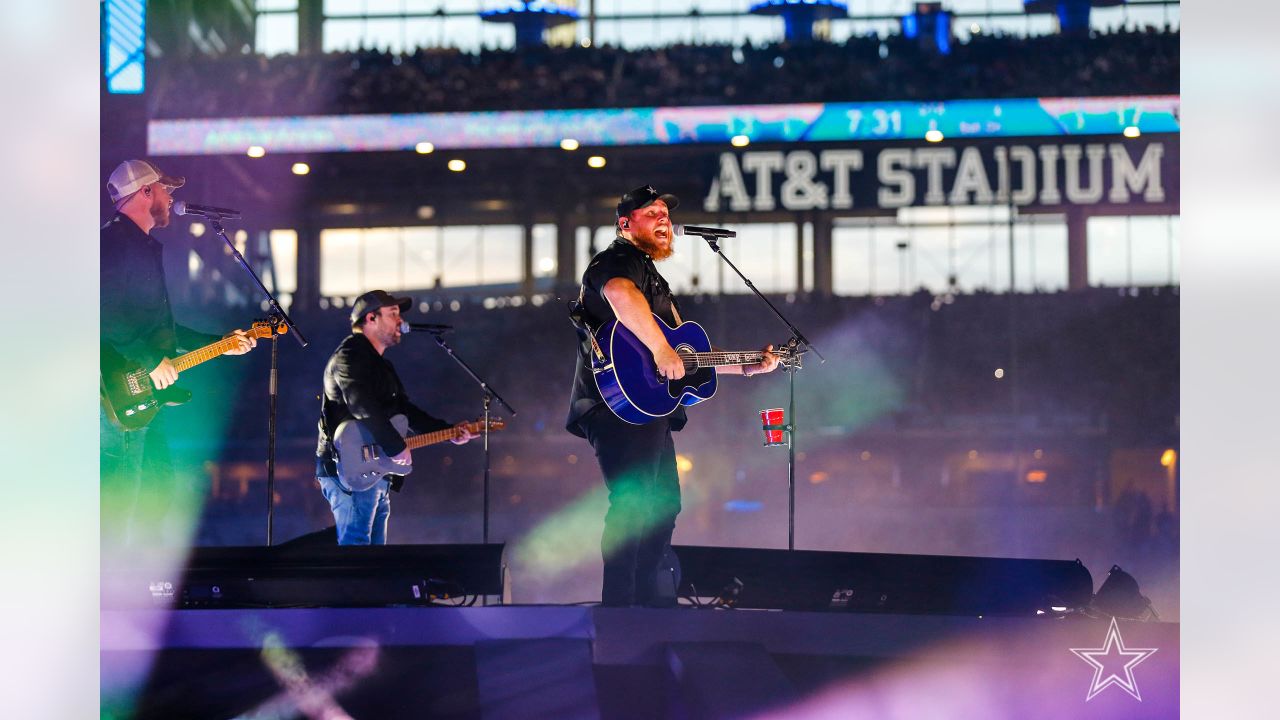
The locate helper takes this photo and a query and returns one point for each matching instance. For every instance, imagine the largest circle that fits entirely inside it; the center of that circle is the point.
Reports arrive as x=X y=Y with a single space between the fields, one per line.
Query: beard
x=651 y=246
x=160 y=212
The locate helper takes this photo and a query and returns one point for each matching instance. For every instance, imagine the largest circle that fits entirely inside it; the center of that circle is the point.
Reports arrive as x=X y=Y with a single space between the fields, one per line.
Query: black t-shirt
x=621 y=259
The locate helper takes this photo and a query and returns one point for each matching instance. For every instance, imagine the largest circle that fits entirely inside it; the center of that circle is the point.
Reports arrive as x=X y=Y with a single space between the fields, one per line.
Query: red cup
x=773 y=421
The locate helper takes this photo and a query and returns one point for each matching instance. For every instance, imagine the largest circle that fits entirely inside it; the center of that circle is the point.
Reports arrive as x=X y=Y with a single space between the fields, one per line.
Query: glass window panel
x=1149 y=243
x=339 y=262
x=276 y=34
x=284 y=259
x=544 y=250
x=276 y=4
x=502 y=254
x=1041 y=254
x=422 y=257
x=341 y=35
x=461 y=267
x=1108 y=252
x=343 y=7
x=381 y=259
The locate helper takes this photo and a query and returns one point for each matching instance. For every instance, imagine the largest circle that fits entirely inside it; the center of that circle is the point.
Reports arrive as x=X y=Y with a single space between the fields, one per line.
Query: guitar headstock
x=789 y=357
x=262 y=329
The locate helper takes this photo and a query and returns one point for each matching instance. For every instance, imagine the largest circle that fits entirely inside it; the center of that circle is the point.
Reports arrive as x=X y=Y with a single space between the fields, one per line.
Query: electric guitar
x=628 y=378
x=129 y=397
x=361 y=461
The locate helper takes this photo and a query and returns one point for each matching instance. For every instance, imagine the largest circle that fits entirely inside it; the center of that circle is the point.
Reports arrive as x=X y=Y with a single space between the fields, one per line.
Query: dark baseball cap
x=376 y=300
x=643 y=197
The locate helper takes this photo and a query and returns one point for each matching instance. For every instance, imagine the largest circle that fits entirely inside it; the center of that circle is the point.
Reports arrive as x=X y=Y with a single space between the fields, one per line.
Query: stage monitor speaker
x=877 y=582
x=311 y=575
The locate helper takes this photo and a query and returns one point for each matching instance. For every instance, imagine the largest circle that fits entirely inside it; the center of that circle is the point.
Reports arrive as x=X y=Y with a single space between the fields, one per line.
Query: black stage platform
x=616 y=663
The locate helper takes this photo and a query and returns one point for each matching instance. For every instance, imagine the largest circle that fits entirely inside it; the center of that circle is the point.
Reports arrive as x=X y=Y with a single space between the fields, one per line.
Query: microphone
x=182 y=207
x=406 y=327
x=703 y=232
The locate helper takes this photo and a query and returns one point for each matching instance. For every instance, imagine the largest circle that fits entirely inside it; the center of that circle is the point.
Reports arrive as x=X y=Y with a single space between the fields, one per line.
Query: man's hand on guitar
x=766 y=365
x=164 y=375
x=247 y=342
x=404 y=457
x=464 y=434
x=670 y=364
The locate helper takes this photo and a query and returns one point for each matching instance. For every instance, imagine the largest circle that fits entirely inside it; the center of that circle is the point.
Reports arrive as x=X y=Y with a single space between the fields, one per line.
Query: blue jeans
x=361 y=517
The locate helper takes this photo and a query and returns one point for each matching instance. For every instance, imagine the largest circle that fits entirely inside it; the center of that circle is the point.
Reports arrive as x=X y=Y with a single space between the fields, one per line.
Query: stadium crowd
x=862 y=68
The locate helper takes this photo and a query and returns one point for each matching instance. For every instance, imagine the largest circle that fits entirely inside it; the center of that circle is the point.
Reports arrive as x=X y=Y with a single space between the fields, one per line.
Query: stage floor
x=593 y=662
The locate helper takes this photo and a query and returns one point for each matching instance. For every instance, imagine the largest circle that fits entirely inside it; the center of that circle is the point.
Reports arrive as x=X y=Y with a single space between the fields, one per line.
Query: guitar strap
x=586 y=333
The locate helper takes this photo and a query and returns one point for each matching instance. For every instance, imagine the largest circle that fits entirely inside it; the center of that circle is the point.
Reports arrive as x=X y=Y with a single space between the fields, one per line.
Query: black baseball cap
x=643 y=197
x=376 y=300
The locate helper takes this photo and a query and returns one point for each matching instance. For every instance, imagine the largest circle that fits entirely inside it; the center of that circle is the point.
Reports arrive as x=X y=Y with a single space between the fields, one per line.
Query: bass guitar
x=361 y=461
x=129 y=397
x=628 y=378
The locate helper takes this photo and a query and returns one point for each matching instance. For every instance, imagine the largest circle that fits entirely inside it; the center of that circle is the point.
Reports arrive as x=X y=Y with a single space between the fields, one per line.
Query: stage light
x=256 y=151
x=301 y=168
x=865 y=456
x=740 y=141
x=197 y=229
x=1132 y=131
x=1169 y=457
x=426 y=212
x=999 y=373
x=933 y=135
x=1120 y=597
x=596 y=161
x=683 y=463
x=457 y=165
x=1037 y=476
x=568 y=144
x=1038 y=453
x=973 y=454
x=586 y=42
x=424 y=148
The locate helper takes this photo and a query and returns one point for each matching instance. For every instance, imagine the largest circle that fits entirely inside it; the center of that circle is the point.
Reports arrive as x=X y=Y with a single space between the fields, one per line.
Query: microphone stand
x=275 y=317
x=489 y=394
x=798 y=344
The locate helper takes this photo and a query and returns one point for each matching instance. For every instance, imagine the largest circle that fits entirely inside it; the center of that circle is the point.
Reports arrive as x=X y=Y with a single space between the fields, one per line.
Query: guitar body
x=129 y=398
x=361 y=462
x=629 y=381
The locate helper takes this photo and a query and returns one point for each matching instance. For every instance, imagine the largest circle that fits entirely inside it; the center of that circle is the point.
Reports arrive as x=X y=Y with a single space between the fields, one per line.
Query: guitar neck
x=719 y=358
x=413 y=442
x=208 y=352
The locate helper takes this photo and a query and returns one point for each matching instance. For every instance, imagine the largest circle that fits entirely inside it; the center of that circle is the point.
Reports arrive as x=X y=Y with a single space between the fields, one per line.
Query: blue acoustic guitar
x=629 y=381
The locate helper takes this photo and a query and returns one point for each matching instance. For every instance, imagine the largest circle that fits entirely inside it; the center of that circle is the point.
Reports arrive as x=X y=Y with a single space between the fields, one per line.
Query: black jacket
x=359 y=383
x=135 y=315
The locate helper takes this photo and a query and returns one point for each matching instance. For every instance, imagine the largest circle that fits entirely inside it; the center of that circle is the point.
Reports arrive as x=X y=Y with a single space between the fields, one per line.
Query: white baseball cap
x=131 y=175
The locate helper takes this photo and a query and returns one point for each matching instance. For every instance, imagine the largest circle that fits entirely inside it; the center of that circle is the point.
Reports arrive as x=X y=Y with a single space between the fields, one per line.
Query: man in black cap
x=137 y=328
x=638 y=461
x=360 y=383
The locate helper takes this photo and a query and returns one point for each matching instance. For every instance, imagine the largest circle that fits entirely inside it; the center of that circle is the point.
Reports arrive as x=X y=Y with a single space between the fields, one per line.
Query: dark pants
x=639 y=467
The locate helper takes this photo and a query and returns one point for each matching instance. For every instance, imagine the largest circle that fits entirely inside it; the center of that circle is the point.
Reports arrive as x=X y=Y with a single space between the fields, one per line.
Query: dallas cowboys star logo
x=1100 y=657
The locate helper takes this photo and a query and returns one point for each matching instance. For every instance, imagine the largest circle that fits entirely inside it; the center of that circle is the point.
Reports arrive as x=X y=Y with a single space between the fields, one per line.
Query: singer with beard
x=137 y=328
x=360 y=383
x=638 y=461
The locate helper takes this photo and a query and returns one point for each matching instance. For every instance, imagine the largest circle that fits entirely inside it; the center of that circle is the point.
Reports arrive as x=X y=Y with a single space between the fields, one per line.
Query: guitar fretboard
x=413 y=442
x=208 y=352
x=719 y=358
